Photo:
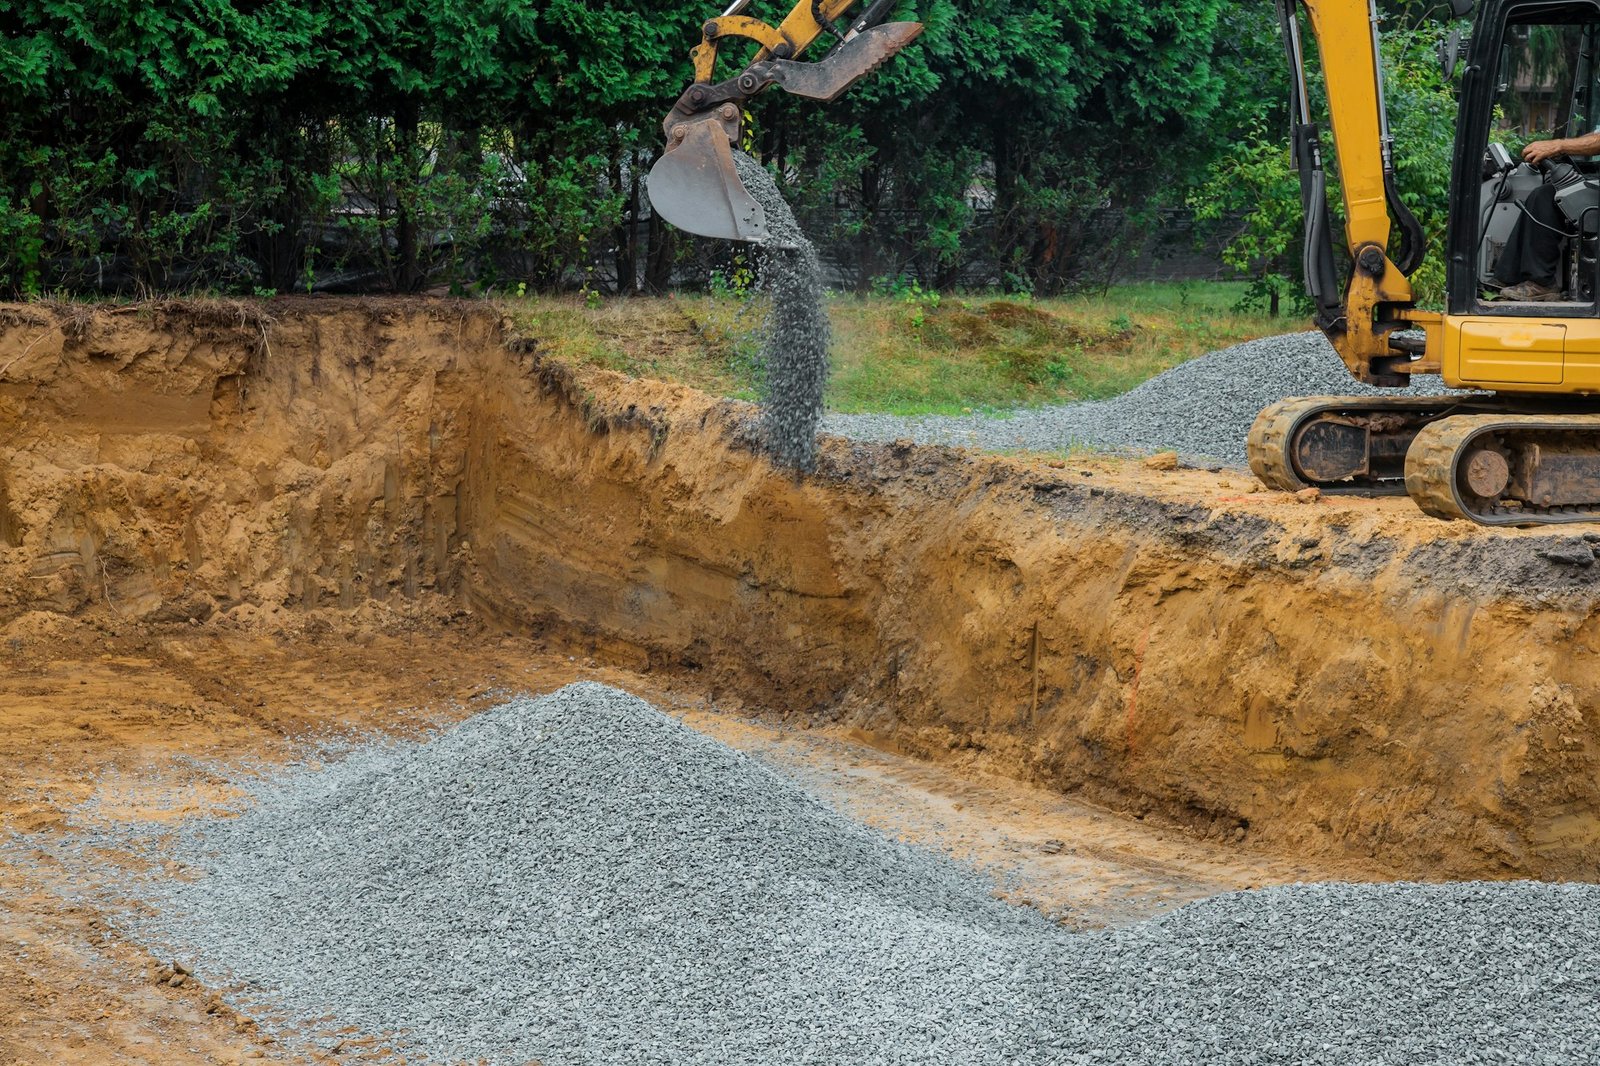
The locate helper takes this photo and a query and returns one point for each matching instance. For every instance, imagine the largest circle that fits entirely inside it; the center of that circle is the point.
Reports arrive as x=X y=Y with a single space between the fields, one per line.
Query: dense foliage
x=274 y=145
x=265 y=143
x=1255 y=191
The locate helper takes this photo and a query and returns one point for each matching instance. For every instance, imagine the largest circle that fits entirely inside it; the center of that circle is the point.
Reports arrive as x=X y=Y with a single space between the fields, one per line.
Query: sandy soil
x=228 y=528
x=1340 y=677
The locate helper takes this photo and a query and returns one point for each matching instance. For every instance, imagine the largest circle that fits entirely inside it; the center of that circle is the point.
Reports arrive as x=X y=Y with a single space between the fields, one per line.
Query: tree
x=1256 y=192
x=179 y=144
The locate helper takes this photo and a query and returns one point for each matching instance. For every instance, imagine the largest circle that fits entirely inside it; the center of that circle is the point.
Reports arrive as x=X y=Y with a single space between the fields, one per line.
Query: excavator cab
x=1549 y=212
x=1532 y=76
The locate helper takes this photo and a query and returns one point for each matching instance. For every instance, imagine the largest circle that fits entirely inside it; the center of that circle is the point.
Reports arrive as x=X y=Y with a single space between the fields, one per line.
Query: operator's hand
x=1538 y=151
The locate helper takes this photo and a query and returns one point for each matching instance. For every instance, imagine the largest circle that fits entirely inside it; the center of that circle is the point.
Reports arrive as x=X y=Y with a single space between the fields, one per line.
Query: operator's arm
x=1538 y=151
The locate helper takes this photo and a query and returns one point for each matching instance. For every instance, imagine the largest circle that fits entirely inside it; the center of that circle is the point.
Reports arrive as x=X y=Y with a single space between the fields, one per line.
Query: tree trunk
x=409 y=275
x=659 y=255
x=465 y=157
x=867 y=242
x=625 y=254
x=279 y=247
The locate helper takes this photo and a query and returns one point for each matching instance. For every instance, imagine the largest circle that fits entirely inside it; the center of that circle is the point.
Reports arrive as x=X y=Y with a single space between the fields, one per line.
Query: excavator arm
x=694 y=185
x=1360 y=316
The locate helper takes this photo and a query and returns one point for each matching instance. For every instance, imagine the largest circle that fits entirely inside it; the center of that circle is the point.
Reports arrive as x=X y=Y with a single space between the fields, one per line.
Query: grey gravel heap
x=1201 y=409
x=581 y=879
x=796 y=334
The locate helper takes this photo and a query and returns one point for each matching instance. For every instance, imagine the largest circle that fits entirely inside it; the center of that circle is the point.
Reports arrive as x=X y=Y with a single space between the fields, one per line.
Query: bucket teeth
x=827 y=79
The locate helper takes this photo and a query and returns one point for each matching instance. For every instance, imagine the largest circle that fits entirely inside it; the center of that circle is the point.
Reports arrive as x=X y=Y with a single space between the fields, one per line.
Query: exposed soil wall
x=1344 y=678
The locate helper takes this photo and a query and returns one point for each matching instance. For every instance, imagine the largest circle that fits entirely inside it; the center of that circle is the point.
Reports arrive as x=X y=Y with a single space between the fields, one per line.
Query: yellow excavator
x=1524 y=447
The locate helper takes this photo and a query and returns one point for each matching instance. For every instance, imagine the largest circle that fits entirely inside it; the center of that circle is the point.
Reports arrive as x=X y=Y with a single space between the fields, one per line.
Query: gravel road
x=1201 y=409
x=580 y=878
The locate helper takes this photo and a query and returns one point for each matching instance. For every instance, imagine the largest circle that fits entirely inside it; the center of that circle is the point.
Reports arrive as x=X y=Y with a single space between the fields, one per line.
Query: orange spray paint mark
x=1133 y=690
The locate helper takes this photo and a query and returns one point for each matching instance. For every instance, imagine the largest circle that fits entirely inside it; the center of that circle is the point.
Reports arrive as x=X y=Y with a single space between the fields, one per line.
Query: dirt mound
x=1331 y=677
x=1006 y=313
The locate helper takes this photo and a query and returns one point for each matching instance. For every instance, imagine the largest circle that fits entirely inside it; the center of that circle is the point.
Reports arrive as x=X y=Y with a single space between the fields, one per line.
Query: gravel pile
x=1201 y=409
x=581 y=879
x=796 y=334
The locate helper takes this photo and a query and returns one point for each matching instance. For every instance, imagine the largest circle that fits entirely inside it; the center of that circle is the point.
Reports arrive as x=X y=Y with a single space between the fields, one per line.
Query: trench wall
x=1428 y=699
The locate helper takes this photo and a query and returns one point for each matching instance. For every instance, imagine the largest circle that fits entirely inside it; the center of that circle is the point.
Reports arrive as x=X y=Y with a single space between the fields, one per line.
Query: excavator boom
x=1359 y=316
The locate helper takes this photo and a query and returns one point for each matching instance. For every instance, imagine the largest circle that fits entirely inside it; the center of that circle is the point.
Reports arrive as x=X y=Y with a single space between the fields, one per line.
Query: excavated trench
x=1332 y=678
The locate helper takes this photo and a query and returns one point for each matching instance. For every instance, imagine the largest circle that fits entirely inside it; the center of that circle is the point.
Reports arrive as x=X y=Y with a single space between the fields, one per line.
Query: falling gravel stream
x=796 y=335
x=581 y=879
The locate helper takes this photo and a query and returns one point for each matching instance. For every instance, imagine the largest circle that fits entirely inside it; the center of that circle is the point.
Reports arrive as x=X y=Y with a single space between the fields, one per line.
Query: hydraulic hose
x=1321 y=279
x=1413 y=243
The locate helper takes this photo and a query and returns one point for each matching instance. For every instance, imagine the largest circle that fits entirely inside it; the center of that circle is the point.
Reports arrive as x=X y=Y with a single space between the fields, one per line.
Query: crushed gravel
x=1201 y=409
x=580 y=878
x=796 y=333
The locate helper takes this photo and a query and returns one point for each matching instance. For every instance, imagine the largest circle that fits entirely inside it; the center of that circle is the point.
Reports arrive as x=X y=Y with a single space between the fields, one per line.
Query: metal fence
x=1105 y=248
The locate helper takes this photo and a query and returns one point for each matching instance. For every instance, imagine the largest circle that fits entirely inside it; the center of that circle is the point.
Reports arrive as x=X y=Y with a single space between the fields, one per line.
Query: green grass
x=917 y=353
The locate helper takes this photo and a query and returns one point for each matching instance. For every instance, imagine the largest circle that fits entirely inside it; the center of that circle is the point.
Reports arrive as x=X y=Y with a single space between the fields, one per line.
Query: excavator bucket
x=694 y=184
x=694 y=187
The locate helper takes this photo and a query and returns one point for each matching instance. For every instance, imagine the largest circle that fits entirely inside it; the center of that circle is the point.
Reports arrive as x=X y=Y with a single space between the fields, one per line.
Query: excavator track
x=1474 y=458
x=1343 y=445
x=1508 y=469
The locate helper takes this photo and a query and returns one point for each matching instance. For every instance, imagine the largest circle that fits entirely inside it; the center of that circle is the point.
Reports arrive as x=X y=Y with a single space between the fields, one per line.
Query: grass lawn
x=917 y=353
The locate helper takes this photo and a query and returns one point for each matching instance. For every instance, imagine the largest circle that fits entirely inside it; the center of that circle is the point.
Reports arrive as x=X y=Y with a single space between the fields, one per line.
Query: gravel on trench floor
x=1201 y=409
x=582 y=879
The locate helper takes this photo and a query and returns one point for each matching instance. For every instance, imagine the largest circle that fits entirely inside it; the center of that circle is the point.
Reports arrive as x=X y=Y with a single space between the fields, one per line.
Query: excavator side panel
x=1505 y=354
x=1583 y=356
x=1537 y=354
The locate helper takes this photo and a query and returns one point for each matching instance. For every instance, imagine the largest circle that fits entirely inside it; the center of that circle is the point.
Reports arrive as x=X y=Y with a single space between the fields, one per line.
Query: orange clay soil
x=357 y=493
